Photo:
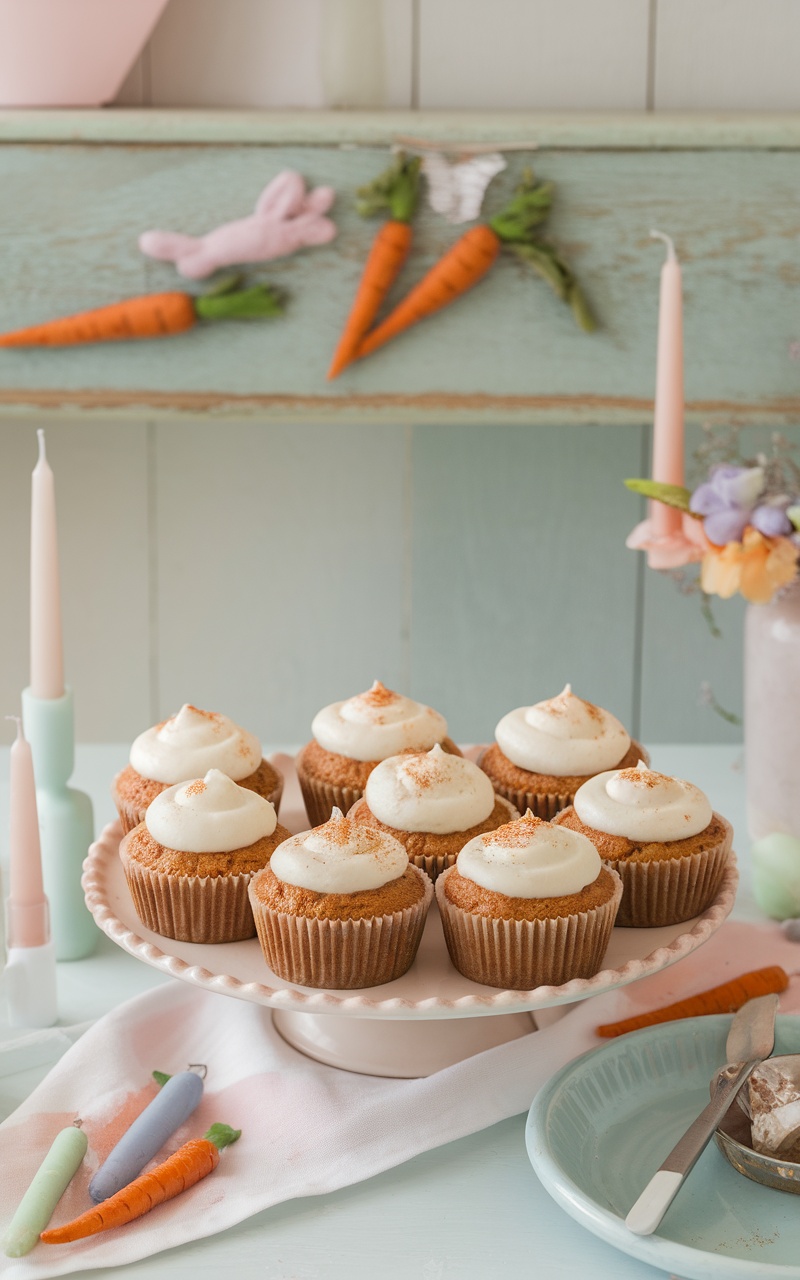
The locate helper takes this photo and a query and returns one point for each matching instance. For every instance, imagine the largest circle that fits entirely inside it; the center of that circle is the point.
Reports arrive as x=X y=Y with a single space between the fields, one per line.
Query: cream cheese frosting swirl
x=339 y=857
x=209 y=815
x=432 y=791
x=642 y=805
x=563 y=736
x=529 y=858
x=377 y=724
x=192 y=742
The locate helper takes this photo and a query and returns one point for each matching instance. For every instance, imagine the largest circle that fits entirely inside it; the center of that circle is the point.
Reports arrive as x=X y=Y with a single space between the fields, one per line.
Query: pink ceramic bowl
x=70 y=53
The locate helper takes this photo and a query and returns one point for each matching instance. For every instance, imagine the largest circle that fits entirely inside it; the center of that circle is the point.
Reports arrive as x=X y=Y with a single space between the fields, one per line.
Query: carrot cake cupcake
x=188 y=864
x=186 y=746
x=528 y=905
x=661 y=835
x=351 y=737
x=433 y=803
x=543 y=753
x=340 y=907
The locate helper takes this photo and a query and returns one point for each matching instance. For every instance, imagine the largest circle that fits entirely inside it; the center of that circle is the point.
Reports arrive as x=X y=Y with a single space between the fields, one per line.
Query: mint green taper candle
x=48 y=1186
x=65 y=815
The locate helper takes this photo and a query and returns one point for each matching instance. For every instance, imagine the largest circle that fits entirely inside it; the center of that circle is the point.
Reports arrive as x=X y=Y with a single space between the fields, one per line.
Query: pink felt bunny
x=286 y=218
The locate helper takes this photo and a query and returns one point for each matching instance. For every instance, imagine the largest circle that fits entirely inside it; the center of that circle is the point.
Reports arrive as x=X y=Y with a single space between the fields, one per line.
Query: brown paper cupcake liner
x=321 y=798
x=670 y=890
x=190 y=908
x=340 y=954
x=519 y=955
x=130 y=817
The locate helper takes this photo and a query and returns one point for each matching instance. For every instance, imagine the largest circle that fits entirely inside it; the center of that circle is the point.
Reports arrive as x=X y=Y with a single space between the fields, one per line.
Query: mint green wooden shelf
x=80 y=186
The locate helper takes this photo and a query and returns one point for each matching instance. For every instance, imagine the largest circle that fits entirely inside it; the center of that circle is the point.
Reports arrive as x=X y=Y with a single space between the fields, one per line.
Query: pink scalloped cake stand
x=422 y=1022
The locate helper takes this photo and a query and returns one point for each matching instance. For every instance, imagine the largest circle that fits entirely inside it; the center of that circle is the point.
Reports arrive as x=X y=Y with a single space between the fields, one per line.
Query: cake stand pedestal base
x=403 y=1049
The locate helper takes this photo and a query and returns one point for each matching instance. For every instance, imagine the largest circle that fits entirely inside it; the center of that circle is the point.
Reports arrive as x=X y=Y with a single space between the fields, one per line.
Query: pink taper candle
x=47 y=661
x=27 y=904
x=668 y=417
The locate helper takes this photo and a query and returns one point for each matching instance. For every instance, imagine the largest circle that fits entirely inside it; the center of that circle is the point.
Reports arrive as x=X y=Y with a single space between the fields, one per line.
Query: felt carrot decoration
x=469 y=259
x=397 y=189
x=186 y=1166
x=154 y=315
x=726 y=998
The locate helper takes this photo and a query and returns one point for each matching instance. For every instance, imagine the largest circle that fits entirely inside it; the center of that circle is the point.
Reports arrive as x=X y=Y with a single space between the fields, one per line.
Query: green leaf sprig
x=516 y=225
x=672 y=495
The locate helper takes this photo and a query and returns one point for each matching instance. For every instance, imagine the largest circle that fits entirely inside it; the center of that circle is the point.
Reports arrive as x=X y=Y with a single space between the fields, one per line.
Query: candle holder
x=66 y=821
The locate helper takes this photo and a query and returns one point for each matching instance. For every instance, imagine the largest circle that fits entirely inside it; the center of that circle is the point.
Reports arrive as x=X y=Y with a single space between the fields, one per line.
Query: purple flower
x=773 y=522
x=726 y=501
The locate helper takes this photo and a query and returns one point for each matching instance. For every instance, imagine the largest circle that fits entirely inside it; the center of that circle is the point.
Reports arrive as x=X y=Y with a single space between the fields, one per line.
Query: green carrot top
x=222 y=1135
x=526 y=210
x=395 y=190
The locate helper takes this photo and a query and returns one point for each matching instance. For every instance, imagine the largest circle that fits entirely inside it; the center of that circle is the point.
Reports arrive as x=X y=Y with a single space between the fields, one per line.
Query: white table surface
x=470 y=1210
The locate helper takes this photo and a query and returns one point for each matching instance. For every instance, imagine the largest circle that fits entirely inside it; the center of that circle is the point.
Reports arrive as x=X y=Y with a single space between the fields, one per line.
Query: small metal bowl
x=733 y=1136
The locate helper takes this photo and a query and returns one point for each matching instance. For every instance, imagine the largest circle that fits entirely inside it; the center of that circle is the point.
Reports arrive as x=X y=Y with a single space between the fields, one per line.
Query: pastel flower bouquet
x=742 y=524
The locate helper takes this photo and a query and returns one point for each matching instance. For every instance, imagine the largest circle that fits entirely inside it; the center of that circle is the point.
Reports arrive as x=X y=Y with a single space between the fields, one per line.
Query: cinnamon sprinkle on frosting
x=643 y=777
x=516 y=834
x=379 y=695
x=196 y=788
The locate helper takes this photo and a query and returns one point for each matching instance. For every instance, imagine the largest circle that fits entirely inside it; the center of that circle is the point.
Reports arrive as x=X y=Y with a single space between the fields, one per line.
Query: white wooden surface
x=554 y=54
x=719 y=55
x=471 y=1210
x=550 y=54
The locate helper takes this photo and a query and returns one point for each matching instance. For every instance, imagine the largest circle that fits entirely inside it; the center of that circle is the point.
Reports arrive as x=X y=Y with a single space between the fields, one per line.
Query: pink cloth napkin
x=306 y=1128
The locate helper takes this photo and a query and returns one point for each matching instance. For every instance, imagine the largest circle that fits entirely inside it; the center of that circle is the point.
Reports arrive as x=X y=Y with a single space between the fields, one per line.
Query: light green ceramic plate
x=599 y=1130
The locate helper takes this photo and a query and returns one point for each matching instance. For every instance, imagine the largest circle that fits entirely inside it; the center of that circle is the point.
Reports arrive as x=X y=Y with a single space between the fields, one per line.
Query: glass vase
x=772 y=750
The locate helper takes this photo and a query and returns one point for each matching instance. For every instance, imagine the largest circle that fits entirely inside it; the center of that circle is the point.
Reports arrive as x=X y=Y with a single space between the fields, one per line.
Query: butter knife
x=751 y=1039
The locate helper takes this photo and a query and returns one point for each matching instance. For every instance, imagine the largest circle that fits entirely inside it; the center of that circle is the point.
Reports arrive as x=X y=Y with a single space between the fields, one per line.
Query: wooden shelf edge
x=601 y=130
x=430 y=409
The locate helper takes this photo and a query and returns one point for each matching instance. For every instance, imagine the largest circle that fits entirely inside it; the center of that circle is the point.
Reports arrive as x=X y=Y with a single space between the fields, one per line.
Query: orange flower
x=756 y=566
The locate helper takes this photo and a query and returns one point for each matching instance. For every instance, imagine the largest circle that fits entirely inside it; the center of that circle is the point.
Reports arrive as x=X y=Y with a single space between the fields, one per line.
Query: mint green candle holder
x=66 y=823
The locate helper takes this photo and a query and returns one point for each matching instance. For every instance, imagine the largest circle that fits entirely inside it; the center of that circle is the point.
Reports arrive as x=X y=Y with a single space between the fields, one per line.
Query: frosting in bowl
x=339 y=857
x=377 y=724
x=209 y=815
x=562 y=736
x=530 y=858
x=642 y=805
x=432 y=791
x=192 y=742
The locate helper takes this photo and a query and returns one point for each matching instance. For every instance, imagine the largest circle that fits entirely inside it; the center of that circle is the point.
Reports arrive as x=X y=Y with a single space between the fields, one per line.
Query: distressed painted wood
x=626 y=130
x=521 y=580
x=732 y=214
x=104 y=530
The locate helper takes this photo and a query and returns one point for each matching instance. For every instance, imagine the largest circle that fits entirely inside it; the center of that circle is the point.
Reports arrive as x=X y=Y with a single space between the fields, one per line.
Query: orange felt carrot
x=154 y=315
x=466 y=262
x=186 y=1166
x=396 y=190
x=726 y=998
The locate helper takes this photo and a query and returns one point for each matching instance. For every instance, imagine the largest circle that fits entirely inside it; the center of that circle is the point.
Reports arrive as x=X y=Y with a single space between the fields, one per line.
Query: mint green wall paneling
x=509 y=348
x=281 y=568
x=521 y=579
x=680 y=655
x=101 y=499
